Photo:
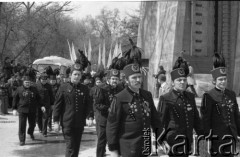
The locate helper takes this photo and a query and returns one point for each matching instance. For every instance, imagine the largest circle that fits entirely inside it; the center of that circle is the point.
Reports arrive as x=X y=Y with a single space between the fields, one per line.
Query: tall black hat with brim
x=180 y=69
x=219 y=66
x=54 y=75
x=81 y=62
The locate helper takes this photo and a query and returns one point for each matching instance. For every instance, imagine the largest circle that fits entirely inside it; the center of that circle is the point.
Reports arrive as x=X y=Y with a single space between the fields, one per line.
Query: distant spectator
x=165 y=87
x=3 y=95
x=157 y=84
x=7 y=69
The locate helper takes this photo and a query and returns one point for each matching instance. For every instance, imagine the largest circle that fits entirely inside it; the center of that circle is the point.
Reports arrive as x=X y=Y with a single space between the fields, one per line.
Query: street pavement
x=51 y=146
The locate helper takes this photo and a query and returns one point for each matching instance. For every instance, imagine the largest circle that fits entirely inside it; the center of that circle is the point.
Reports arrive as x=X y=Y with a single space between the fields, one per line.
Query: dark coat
x=178 y=116
x=72 y=104
x=102 y=99
x=46 y=94
x=130 y=119
x=54 y=91
x=26 y=100
x=220 y=113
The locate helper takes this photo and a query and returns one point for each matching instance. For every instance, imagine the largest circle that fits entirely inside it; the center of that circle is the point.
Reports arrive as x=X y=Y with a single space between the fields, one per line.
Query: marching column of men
x=46 y=95
x=26 y=100
x=125 y=114
x=102 y=98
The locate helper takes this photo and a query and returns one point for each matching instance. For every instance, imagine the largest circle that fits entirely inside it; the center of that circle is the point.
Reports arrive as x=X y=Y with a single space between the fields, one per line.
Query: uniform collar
x=132 y=92
x=178 y=94
x=219 y=90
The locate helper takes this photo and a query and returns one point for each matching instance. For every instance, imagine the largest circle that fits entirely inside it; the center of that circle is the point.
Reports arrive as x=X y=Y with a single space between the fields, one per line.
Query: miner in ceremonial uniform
x=220 y=112
x=26 y=99
x=45 y=91
x=179 y=114
x=72 y=103
x=102 y=99
x=54 y=86
x=132 y=113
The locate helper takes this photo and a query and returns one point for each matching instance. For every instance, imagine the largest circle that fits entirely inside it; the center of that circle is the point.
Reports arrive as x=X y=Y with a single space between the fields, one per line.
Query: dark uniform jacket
x=102 y=97
x=220 y=113
x=72 y=103
x=46 y=94
x=130 y=118
x=26 y=100
x=179 y=116
x=54 y=91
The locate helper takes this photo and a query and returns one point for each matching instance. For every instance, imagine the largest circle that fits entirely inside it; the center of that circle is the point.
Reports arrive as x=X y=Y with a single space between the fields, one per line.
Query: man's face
x=135 y=80
x=221 y=82
x=76 y=76
x=27 y=84
x=53 y=82
x=180 y=84
x=114 y=81
x=43 y=81
x=98 y=82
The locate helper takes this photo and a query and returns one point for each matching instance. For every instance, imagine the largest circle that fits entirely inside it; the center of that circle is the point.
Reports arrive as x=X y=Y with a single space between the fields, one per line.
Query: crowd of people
x=125 y=113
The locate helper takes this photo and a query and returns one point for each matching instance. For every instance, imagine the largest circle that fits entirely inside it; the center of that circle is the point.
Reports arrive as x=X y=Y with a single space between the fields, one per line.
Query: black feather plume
x=218 y=60
x=82 y=60
x=133 y=55
x=56 y=71
x=68 y=70
x=118 y=63
x=181 y=63
x=48 y=70
x=99 y=74
x=31 y=72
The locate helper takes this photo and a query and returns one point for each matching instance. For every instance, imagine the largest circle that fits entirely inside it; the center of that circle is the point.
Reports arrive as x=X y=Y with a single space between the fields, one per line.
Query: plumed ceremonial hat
x=219 y=66
x=180 y=69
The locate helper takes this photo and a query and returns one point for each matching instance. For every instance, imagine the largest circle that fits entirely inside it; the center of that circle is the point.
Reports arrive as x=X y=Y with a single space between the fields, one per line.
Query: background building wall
x=156 y=36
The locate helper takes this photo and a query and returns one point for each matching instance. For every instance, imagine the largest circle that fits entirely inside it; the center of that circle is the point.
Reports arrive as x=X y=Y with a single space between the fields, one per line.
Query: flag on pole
x=99 y=56
x=120 y=50
x=85 y=50
x=70 y=51
x=109 y=57
x=89 y=51
x=115 y=52
x=103 y=54
x=74 y=53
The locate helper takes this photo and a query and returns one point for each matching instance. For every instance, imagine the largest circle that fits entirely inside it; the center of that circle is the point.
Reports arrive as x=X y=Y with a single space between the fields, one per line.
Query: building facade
x=193 y=29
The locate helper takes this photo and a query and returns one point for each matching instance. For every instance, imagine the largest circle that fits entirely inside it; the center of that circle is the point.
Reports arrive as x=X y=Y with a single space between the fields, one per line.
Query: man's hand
x=56 y=126
x=114 y=153
x=15 y=112
x=43 y=109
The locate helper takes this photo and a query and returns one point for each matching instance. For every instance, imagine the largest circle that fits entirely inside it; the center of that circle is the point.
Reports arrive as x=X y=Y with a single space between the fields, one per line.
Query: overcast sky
x=84 y=8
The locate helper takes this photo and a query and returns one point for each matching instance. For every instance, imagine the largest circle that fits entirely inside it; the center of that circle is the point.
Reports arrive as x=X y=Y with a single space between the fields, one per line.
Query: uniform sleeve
x=51 y=95
x=16 y=99
x=237 y=115
x=206 y=110
x=38 y=98
x=198 y=125
x=164 y=114
x=113 y=125
x=58 y=106
x=89 y=103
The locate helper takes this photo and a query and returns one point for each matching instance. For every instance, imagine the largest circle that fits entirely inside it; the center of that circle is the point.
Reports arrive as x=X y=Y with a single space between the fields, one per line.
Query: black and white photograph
x=96 y=78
